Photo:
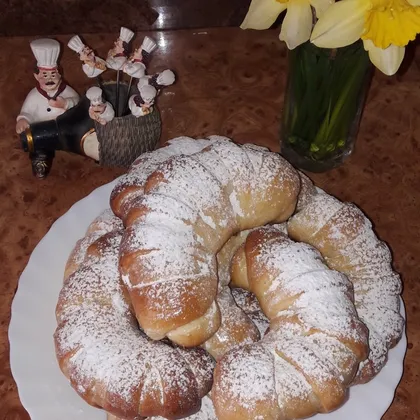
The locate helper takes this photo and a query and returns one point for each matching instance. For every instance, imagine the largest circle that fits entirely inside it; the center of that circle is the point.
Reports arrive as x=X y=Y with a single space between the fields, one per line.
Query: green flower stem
x=345 y=102
x=325 y=93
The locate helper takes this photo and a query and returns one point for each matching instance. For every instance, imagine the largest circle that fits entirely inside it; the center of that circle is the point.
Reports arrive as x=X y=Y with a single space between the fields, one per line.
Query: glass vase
x=324 y=99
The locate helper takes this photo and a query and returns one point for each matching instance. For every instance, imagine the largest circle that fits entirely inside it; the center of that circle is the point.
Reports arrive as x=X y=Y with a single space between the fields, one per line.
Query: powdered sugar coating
x=321 y=296
x=307 y=191
x=314 y=334
x=186 y=179
x=266 y=166
x=289 y=383
x=104 y=223
x=249 y=304
x=144 y=165
x=248 y=377
x=322 y=209
x=346 y=238
x=131 y=185
x=236 y=329
x=220 y=187
x=100 y=346
x=170 y=251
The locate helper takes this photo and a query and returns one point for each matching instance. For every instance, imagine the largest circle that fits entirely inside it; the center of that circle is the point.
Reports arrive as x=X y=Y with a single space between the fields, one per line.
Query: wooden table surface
x=230 y=82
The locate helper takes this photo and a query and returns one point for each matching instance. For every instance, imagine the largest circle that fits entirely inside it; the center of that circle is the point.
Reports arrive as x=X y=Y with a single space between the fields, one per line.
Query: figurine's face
x=48 y=80
x=118 y=46
x=137 y=54
x=87 y=54
x=98 y=108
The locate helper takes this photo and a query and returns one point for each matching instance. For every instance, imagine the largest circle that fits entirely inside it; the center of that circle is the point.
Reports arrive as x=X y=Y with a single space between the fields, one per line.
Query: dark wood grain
x=46 y=17
x=230 y=82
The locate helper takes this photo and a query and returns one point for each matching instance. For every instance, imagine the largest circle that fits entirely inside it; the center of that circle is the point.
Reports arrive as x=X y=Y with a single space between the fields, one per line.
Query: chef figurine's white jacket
x=92 y=71
x=139 y=109
x=134 y=69
x=106 y=116
x=117 y=62
x=36 y=107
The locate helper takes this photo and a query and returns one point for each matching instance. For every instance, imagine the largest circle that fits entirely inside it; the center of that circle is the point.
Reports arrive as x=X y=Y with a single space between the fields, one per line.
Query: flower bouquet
x=334 y=46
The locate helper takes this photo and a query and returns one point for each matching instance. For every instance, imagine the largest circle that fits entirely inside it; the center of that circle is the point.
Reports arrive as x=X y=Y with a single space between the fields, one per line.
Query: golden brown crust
x=157 y=311
x=198 y=201
x=308 y=358
x=345 y=237
x=307 y=191
x=105 y=222
x=196 y=331
x=236 y=327
x=109 y=362
x=259 y=363
x=239 y=273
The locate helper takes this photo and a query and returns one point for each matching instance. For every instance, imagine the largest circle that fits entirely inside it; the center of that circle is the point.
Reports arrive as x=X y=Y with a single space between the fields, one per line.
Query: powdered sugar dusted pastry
x=308 y=358
x=189 y=218
x=206 y=412
x=250 y=305
x=131 y=185
x=178 y=218
x=104 y=223
x=242 y=321
x=108 y=360
x=236 y=327
x=344 y=236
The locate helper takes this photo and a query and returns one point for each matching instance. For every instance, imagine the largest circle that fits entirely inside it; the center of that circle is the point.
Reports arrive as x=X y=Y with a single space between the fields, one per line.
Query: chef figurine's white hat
x=126 y=35
x=76 y=44
x=94 y=94
x=148 y=93
x=46 y=52
x=148 y=45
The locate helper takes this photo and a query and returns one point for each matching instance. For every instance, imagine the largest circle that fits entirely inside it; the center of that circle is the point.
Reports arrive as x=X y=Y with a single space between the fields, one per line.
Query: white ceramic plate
x=45 y=392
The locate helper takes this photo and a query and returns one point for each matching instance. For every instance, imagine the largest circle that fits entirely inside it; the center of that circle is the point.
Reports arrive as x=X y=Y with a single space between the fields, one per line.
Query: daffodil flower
x=298 y=22
x=385 y=26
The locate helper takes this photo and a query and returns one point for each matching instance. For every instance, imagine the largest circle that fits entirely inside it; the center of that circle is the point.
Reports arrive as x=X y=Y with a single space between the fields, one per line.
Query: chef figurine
x=92 y=66
x=99 y=110
x=137 y=62
x=159 y=80
x=117 y=56
x=142 y=104
x=49 y=99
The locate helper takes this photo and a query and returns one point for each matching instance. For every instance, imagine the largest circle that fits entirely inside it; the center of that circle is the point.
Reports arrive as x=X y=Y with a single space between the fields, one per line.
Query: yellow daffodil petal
x=262 y=14
x=387 y=60
x=394 y=22
x=321 y=6
x=341 y=24
x=297 y=24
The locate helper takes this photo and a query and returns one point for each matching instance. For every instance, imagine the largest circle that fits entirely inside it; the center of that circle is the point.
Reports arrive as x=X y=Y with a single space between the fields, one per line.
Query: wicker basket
x=125 y=138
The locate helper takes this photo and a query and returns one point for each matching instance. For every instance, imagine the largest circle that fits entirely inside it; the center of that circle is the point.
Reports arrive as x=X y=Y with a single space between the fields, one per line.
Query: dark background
x=53 y=17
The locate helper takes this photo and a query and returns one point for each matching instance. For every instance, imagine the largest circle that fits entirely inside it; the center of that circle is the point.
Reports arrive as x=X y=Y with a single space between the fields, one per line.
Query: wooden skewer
x=128 y=93
x=101 y=85
x=117 y=113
